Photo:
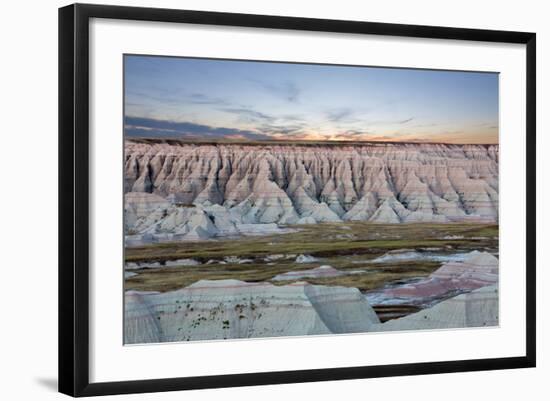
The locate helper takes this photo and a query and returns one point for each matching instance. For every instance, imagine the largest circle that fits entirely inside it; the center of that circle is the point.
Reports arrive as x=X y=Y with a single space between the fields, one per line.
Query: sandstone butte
x=178 y=191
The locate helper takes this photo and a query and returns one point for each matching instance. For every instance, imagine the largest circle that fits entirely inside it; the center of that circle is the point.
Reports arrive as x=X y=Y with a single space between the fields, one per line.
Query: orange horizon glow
x=487 y=138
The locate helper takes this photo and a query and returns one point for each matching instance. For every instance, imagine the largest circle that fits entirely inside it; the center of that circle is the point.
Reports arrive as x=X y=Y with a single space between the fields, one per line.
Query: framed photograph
x=250 y=199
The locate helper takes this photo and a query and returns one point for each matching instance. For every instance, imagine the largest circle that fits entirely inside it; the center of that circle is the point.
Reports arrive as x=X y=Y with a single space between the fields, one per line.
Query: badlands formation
x=477 y=270
x=230 y=309
x=180 y=192
x=478 y=308
x=222 y=309
x=267 y=287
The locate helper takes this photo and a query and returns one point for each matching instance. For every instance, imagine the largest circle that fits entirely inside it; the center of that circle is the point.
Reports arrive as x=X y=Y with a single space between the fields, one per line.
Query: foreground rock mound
x=478 y=308
x=221 y=309
x=282 y=184
x=478 y=269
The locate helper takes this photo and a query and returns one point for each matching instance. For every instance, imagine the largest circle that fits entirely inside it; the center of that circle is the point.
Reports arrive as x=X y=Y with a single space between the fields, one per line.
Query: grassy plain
x=344 y=246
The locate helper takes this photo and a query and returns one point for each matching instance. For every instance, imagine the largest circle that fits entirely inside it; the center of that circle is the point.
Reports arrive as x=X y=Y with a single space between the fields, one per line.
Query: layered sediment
x=478 y=308
x=221 y=309
x=476 y=270
x=231 y=309
x=184 y=191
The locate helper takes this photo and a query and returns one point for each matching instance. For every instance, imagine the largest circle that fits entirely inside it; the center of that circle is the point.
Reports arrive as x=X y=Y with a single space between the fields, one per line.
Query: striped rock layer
x=301 y=184
x=231 y=309
x=222 y=309
x=477 y=270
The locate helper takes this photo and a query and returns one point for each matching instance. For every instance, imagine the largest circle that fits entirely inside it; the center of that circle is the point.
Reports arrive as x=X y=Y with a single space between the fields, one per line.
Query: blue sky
x=221 y=99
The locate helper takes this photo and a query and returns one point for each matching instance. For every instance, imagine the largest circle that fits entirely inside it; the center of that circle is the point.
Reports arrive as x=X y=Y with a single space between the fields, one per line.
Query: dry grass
x=344 y=246
x=326 y=240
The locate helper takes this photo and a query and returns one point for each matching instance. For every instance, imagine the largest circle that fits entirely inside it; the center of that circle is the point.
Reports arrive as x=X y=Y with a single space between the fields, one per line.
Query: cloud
x=272 y=129
x=356 y=132
x=174 y=96
x=201 y=98
x=405 y=121
x=287 y=90
x=247 y=114
x=149 y=127
x=341 y=115
x=427 y=125
x=292 y=117
x=268 y=124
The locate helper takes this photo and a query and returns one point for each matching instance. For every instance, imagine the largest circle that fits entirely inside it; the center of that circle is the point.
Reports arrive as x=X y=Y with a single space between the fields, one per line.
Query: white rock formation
x=221 y=309
x=479 y=267
x=194 y=192
x=475 y=270
x=318 y=272
x=407 y=255
x=236 y=260
x=306 y=259
x=478 y=308
x=182 y=262
x=149 y=218
x=306 y=220
x=142 y=209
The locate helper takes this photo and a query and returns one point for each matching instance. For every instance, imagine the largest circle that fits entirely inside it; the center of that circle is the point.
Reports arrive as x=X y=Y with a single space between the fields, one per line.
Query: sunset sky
x=218 y=99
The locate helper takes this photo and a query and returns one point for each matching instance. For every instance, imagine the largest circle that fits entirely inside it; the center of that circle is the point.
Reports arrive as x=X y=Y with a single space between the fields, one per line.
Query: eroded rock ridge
x=210 y=189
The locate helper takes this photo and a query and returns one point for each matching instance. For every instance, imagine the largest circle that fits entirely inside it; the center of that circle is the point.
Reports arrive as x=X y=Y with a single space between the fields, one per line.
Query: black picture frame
x=74 y=201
